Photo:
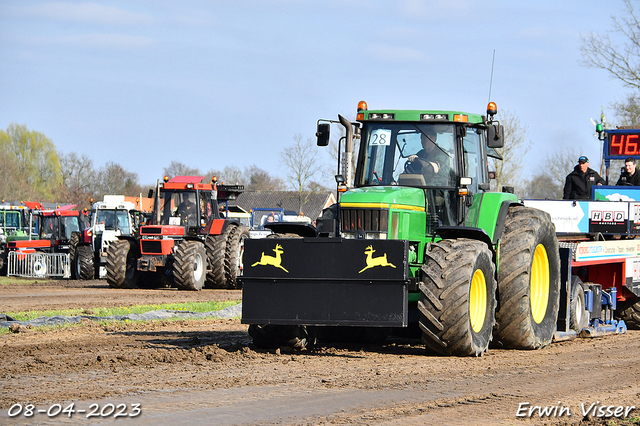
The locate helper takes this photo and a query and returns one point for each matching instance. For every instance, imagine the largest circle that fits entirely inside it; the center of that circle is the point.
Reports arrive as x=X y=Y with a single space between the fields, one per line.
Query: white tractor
x=111 y=217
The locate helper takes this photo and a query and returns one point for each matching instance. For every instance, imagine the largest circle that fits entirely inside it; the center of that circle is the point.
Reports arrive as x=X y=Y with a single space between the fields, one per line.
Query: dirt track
x=208 y=371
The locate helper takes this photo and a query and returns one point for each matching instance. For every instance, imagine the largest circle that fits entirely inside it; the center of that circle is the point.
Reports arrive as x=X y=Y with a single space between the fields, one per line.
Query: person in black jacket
x=630 y=176
x=579 y=182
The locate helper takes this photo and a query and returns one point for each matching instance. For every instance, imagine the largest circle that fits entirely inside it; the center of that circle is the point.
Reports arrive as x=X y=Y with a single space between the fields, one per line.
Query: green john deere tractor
x=417 y=245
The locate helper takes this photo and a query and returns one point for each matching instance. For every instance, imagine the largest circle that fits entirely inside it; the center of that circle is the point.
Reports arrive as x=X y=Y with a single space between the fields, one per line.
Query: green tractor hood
x=390 y=197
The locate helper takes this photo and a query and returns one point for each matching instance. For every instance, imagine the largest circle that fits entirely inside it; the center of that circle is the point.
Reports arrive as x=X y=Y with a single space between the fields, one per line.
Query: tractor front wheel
x=458 y=297
x=83 y=263
x=216 y=248
x=122 y=271
x=528 y=280
x=630 y=313
x=189 y=265
x=233 y=261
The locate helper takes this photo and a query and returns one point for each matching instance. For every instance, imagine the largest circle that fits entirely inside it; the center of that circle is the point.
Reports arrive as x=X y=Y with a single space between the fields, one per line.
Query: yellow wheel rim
x=477 y=300
x=539 y=284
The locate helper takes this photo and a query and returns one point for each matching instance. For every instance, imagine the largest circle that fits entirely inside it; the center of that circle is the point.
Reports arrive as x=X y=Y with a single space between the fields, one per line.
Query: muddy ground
x=208 y=371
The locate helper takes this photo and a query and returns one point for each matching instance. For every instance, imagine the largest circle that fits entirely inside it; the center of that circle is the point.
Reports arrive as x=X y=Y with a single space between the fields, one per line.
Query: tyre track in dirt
x=208 y=371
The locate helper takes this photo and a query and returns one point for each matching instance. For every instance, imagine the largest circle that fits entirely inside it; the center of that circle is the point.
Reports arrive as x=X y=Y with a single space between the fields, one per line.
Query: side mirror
x=323 y=133
x=150 y=194
x=495 y=134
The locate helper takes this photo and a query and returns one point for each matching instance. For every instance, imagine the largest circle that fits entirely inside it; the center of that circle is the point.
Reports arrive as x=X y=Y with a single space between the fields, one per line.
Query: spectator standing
x=578 y=184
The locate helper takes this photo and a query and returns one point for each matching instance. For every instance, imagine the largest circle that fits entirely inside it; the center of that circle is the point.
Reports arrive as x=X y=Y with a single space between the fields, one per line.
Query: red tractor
x=59 y=234
x=188 y=244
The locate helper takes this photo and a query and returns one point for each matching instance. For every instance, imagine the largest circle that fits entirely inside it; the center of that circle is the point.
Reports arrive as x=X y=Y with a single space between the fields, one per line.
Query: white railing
x=38 y=265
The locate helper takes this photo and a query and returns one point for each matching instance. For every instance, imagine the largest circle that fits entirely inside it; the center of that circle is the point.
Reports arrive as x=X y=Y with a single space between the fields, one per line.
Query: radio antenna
x=491 y=80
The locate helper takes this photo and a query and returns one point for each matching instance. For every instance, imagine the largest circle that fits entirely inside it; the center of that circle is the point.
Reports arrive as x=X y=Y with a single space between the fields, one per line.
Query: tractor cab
x=184 y=201
x=184 y=207
x=14 y=223
x=433 y=162
x=58 y=226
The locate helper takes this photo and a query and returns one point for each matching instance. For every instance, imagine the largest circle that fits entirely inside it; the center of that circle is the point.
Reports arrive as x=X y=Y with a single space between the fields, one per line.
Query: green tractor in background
x=14 y=226
x=419 y=244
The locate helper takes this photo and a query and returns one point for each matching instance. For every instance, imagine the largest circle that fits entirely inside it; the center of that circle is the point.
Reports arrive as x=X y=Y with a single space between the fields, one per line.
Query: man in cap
x=630 y=176
x=431 y=161
x=579 y=182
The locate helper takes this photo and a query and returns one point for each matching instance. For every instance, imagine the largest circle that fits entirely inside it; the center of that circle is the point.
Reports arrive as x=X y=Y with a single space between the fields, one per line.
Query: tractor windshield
x=421 y=155
x=11 y=221
x=58 y=227
x=112 y=220
x=411 y=154
x=188 y=208
x=107 y=219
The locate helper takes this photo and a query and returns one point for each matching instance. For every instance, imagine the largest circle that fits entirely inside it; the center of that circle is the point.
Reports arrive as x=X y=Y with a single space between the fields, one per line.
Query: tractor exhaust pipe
x=348 y=151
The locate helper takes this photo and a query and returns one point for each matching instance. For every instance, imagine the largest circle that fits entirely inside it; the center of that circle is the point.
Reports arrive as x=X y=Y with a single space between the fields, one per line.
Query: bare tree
x=114 y=179
x=78 y=179
x=177 y=168
x=233 y=175
x=550 y=182
x=542 y=186
x=302 y=167
x=209 y=174
x=516 y=145
x=628 y=111
x=259 y=179
x=622 y=63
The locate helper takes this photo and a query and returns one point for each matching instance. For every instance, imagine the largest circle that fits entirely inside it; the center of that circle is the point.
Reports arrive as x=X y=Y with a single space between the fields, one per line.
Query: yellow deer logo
x=375 y=261
x=273 y=260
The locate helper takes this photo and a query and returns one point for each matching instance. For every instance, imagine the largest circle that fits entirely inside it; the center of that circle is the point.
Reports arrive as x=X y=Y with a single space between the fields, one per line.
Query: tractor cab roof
x=225 y=192
x=61 y=211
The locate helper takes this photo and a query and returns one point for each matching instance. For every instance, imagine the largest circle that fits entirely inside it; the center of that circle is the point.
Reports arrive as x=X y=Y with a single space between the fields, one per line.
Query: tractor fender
x=128 y=238
x=501 y=219
x=453 y=232
x=219 y=226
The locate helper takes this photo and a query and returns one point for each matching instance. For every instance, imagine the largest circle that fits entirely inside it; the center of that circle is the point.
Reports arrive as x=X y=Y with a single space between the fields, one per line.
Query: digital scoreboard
x=622 y=144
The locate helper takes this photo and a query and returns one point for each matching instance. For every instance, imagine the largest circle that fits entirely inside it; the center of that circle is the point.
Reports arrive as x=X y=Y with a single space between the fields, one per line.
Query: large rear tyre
x=528 y=280
x=630 y=314
x=122 y=258
x=3 y=261
x=74 y=240
x=189 y=265
x=83 y=263
x=216 y=249
x=233 y=261
x=458 y=300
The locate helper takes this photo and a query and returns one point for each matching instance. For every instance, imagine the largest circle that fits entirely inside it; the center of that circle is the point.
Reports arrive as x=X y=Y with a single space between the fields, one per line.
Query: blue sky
x=218 y=83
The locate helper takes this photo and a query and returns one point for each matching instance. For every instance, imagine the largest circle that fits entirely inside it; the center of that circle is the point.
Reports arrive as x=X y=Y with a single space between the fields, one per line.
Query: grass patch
x=137 y=309
x=21 y=280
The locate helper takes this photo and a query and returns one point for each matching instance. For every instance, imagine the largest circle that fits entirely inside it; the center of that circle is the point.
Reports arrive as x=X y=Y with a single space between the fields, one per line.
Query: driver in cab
x=186 y=208
x=430 y=160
